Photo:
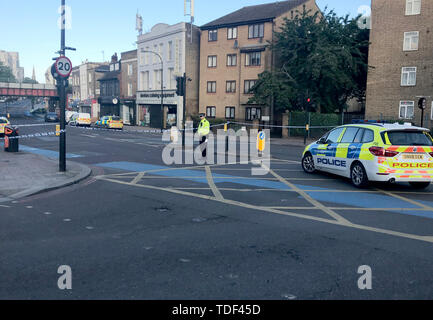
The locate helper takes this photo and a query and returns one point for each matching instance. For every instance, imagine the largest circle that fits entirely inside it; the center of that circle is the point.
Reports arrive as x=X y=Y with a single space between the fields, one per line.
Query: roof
x=263 y=12
x=388 y=126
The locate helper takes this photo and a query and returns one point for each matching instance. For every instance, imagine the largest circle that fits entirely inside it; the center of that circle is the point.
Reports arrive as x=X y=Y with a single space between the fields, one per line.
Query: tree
x=29 y=80
x=6 y=74
x=319 y=56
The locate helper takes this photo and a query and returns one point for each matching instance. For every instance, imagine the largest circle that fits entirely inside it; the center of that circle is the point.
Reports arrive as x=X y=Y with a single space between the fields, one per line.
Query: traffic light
x=422 y=103
x=180 y=86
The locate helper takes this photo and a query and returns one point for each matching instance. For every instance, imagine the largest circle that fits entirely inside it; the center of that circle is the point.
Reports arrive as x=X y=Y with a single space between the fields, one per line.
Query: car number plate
x=413 y=157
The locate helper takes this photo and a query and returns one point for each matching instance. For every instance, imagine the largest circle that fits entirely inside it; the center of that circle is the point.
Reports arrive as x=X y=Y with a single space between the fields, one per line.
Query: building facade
x=234 y=50
x=178 y=46
x=128 y=87
x=109 y=95
x=402 y=60
x=12 y=60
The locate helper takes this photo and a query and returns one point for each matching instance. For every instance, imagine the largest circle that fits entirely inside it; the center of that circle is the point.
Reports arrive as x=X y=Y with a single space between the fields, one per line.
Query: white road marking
x=47 y=213
x=4 y=206
x=67 y=220
x=285 y=213
x=29 y=207
x=137 y=178
x=212 y=185
x=307 y=197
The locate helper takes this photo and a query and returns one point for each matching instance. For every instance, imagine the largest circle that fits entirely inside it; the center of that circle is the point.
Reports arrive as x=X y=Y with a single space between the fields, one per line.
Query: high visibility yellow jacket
x=203 y=128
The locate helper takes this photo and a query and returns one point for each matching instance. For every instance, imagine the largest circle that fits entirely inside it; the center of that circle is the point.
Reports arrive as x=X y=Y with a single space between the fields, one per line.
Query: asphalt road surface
x=139 y=229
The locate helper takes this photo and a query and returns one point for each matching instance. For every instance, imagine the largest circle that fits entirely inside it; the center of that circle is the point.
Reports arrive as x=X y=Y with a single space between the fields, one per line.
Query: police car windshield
x=409 y=138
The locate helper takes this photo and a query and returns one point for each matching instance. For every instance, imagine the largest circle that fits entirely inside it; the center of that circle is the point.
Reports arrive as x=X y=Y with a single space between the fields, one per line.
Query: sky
x=99 y=28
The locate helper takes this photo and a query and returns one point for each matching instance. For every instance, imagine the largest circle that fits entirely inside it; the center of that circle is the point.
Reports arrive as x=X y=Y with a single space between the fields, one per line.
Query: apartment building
x=234 y=50
x=178 y=47
x=402 y=60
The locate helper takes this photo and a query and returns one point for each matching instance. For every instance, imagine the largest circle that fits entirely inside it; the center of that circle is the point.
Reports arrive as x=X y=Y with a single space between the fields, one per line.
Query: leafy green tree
x=6 y=74
x=319 y=56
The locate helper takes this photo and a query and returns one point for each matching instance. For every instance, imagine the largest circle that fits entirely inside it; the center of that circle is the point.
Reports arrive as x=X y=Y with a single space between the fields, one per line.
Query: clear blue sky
x=30 y=26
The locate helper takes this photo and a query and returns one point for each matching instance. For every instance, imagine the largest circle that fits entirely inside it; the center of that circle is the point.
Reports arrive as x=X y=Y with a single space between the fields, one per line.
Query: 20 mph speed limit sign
x=63 y=67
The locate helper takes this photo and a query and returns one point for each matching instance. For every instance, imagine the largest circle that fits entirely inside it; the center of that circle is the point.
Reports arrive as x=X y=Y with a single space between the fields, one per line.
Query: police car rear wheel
x=358 y=175
x=308 y=163
x=419 y=185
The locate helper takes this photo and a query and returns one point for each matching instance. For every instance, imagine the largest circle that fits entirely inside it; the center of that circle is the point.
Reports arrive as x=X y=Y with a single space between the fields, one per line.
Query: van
x=80 y=119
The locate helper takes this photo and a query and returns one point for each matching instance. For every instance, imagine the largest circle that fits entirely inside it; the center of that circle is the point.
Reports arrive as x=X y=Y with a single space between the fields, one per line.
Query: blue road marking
x=362 y=200
x=47 y=153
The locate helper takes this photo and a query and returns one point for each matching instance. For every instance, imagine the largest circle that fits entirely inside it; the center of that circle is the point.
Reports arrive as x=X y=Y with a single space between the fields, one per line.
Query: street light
x=162 y=86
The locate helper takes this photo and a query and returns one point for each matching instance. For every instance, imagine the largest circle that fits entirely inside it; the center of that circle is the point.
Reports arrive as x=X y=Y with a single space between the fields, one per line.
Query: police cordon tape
x=36 y=135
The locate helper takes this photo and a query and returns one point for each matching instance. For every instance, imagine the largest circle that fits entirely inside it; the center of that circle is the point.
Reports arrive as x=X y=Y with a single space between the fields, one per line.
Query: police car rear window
x=116 y=118
x=409 y=138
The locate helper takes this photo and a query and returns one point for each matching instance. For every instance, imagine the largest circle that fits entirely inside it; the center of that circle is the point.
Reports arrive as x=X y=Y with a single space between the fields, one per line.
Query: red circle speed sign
x=63 y=67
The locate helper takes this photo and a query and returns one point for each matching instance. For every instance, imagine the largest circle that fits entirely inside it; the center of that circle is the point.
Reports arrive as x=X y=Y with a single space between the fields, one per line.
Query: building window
x=170 y=50
x=129 y=69
x=231 y=86
x=256 y=31
x=413 y=7
x=210 y=112
x=211 y=86
x=252 y=113
x=406 y=109
x=211 y=61
x=230 y=112
x=232 y=33
x=231 y=60
x=213 y=35
x=129 y=89
x=248 y=85
x=408 y=76
x=253 y=58
x=90 y=77
x=411 y=40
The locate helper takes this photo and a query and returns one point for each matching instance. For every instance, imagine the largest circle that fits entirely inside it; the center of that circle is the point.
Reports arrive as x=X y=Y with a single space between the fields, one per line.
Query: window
x=231 y=60
x=213 y=35
x=368 y=136
x=406 y=109
x=231 y=86
x=170 y=50
x=232 y=33
x=210 y=112
x=334 y=135
x=409 y=138
x=359 y=135
x=256 y=31
x=252 y=113
x=408 y=76
x=248 y=85
x=413 y=7
x=211 y=61
x=129 y=69
x=129 y=89
x=411 y=40
x=90 y=77
x=253 y=58
x=211 y=86
x=349 y=135
x=155 y=57
x=230 y=112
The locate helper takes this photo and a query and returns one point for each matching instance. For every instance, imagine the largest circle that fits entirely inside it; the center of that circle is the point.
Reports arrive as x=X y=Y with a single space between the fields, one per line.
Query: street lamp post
x=162 y=86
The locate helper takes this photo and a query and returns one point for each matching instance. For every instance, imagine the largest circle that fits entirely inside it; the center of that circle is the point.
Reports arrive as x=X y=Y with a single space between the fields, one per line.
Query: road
x=139 y=229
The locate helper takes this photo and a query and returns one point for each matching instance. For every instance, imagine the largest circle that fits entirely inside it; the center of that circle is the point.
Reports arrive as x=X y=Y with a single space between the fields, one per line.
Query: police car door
x=347 y=150
x=325 y=157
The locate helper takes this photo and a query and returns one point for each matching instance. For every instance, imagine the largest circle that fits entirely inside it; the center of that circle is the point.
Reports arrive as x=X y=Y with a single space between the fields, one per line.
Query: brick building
x=234 y=51
x=401 y=53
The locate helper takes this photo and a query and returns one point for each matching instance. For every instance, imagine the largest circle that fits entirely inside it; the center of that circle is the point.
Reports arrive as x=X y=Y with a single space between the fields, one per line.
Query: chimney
x=114 y=58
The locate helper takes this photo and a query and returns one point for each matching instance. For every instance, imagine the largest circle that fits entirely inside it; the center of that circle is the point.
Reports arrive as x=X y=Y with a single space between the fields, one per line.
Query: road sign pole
x=62 y=93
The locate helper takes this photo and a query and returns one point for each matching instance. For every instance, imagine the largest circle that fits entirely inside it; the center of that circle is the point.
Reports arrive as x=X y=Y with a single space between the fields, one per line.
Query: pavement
x=25 y=174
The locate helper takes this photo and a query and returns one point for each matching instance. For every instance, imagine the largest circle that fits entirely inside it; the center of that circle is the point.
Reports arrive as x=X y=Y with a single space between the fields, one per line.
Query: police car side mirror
x=322 y=141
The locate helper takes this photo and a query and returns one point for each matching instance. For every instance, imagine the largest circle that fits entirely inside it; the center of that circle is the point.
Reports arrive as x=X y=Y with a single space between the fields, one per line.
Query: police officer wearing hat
x=203 y=131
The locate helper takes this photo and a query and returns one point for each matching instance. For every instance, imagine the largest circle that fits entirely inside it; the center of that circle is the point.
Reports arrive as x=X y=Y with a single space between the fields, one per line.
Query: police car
x=374 y=152
x=3 y=123
x=110 y=122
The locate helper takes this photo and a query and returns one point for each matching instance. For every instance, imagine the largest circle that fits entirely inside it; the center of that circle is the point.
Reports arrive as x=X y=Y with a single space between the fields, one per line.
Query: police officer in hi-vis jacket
x=203 y=131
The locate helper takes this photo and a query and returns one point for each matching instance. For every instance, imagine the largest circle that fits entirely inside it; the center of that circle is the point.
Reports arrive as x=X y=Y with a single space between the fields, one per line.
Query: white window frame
x=212 y=61
x=129 y=89
x=404 y=71
x=405 y=105
x=231 y=112
x=411 y=9
x=409 y=41
x=232 y=33
x=129 y=69
x=232 y=60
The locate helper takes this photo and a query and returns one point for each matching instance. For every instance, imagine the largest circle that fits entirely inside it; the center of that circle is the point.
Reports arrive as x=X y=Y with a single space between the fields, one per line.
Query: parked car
x=52 y=117
x=80 y=119
x=110 y=122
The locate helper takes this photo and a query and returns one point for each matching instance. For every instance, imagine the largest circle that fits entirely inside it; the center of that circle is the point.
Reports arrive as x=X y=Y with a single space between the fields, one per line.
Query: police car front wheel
x=358 y=175
x=308 y=163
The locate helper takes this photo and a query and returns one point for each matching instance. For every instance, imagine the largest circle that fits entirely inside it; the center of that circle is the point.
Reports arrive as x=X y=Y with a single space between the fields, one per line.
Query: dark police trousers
x=203 y=146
